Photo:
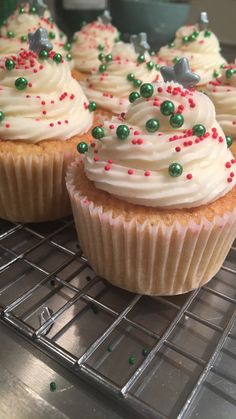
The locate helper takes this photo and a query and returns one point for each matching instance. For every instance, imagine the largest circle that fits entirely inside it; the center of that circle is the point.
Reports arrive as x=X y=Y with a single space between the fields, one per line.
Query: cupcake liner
x=33 y=187
x=150 y=259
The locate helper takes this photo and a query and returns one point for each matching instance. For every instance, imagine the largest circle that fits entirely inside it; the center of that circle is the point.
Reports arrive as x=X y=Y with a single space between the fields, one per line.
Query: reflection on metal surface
x=183 y=347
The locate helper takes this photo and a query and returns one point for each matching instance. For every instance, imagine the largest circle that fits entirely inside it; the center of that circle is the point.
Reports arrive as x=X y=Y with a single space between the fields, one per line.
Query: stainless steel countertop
x=25 y=376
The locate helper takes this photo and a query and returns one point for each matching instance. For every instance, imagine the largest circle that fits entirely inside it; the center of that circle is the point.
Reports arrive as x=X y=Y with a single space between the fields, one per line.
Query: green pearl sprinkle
x=82 y=147
x=53 y=386
x=2 y=116
x=52 y=35
x=134 y=96
x=150 y=65
x=229 y=140
x=92 y=106
x=130 y=77
x=10 y=34
x=21 y=83
x=145 y=351
x=222 y=65
x=216 y=74
x=57 y=58
x=185 y=39
x=152 y=53
x=175 y=170
x=101 y=56
x=157 y=67
x=122 y=132
x=9 y=64
x=192 y=37
x=207 y=34
x=108 y=58
x=21 y=10
x=98 y=133
x=102 y=68
x=83 y=23
x=146 y=90
x=171 y=45
x=67 y=46
x=109 y=348
x=176 y=120
x=196 y=33
x=137 y=83
x=229 y=73
x=175 y=60
x=33 y=10
x=69 y=56
x=167 y=107
x=199 y=130
x=43 y=55
x=23 y=38
x=152 y=125
x=100 y=47
x=141 y=59
x=132 y=360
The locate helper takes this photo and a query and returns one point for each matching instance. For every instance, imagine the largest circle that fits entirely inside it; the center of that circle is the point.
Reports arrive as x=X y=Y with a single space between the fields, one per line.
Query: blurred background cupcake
x=43 y=113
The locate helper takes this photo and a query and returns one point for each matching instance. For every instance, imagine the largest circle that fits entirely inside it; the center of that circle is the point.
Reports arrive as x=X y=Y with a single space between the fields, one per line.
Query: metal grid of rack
x=163 y=357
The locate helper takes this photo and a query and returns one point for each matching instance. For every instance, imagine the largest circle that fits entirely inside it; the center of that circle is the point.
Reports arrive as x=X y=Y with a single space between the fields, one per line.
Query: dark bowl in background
x=159 y=19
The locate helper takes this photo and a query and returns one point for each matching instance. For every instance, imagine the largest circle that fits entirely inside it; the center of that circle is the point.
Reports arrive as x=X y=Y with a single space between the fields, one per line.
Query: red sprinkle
x=229 y=179
x=130 y=172
x=147 y=173
x=139 y=141
x=189 y=176
x=228 y=165
x=177 y=149
x=107 y=167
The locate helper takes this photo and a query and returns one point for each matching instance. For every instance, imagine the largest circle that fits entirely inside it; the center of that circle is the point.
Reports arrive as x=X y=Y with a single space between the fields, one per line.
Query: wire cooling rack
x=171 y=357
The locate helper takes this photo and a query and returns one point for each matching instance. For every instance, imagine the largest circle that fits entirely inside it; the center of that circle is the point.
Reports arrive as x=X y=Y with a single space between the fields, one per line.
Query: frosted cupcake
x=43 y=114
x=28 y=18
x=154 y=199
x=94 y=38
x=199 y=45
x=119 y=74
x=222 y=92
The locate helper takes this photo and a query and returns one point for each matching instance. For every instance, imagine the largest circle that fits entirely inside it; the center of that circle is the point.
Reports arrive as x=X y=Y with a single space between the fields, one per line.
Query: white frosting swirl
x=21 y=24
x=223 y=94
x=85 y=48
x=53 y=106
x=203 y=53
x=110 y=90
x=137 y=169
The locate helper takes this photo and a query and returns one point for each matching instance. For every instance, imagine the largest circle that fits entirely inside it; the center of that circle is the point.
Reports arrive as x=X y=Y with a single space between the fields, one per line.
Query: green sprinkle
x=53 y=386
x=132 y=360
x=175 y=170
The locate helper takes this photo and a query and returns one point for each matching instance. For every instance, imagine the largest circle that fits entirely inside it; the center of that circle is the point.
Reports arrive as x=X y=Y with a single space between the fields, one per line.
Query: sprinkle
x=147 y=173
x=177 y=149
x=130 y=172
x=7 y=126
x=189 y=176
x=51 y=124
x=231 y=174
x=96 y=158
x=229 y=179
x=111 y=126
x=227 y=165
x=107 y=167
x=139 y=141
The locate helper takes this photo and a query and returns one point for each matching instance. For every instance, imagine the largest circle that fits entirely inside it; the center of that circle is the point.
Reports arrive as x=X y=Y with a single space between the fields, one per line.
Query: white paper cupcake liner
x=146 y=259
x=33 y=187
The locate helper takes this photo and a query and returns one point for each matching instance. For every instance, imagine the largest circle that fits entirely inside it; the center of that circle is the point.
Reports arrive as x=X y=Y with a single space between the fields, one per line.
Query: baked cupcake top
x=167 y=151
x=28 y=18
x=222 y=92
x=200 y=46
x=94 y=38
x=119 y=73
x=39 y=99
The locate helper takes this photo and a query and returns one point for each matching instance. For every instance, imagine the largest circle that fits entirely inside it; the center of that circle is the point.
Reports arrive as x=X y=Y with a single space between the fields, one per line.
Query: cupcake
x=154 y=199
x=43 y=113
x=93 y=39
x=200 y=46
x=119 y=74
x=28 y=18
x=222 y=92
